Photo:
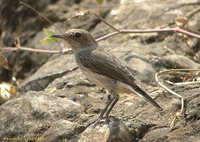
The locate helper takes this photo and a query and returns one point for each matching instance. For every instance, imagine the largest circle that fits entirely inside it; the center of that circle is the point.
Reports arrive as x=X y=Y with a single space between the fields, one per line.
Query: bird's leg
x=108 y=103
x=112 y=100
x=112 y=104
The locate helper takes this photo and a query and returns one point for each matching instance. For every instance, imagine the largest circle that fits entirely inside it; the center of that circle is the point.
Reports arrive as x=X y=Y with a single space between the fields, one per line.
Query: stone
x=179 y=62
x=33 y=114
x=61 y=130
x=53 y=69
x=112 y=130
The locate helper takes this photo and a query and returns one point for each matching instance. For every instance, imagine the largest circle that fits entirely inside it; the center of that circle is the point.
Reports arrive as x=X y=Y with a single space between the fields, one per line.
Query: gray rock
x=53 y=69
x=59 y=77
x=157 y=135
x=179 y=62
x=12 y=11
x=26 y=25
x=61 y=130
x=32 y=114
x=112 y=130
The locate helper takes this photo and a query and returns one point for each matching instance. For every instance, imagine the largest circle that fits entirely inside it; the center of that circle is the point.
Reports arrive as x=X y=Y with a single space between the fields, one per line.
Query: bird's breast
x=98 y=79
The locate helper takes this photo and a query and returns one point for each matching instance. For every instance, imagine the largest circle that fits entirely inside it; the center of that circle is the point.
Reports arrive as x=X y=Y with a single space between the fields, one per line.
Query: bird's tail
x=135 y=88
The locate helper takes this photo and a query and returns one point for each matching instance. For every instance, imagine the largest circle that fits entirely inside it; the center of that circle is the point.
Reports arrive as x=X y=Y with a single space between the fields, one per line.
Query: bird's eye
x=77 y=35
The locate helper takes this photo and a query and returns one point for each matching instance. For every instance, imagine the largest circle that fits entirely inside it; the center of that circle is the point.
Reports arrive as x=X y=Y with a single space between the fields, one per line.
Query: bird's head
x=77 y=38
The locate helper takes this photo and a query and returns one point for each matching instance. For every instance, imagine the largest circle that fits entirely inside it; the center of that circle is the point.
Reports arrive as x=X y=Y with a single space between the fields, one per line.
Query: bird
x=103 y=69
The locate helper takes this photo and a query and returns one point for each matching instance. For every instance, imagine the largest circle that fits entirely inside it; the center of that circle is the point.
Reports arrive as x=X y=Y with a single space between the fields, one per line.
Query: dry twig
x=182 y=111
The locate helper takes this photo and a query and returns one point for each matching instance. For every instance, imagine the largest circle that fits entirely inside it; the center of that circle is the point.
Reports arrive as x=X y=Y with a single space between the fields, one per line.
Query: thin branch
x=10 y=49
x=186 y=83
x=98 y=14
x=170 y=91
x=173 y=122
x=18 y=47
x=163 y=86
x=183 y=70
x=125 y=31
x=177 y=29
x=173 y=30
x=182 y=111
x=193 y=12
x=40 y=14
x=169 y=50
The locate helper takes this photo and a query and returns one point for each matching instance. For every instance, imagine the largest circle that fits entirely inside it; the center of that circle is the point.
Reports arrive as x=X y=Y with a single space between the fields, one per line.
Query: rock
x=33 y=113
x=61 y=130
x=175 y=105
x=27 y=116
x=179 y=62
x=163 y=135
x=26 y=25
x=25 y=20
x=53 y=69
x=113 y=130
x=157 y=135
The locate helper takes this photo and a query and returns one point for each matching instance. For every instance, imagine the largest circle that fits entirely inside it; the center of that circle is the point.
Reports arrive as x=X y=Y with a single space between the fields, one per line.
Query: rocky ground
x=55 y=100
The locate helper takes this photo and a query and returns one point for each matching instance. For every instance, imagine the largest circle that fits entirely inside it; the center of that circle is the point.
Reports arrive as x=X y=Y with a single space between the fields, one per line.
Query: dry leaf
x=6 y=90
x=181 y=22
x=79 y=14
x=4 y=62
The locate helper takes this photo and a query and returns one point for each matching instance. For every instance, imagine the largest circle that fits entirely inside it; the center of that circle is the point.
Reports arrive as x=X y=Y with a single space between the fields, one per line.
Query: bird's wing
x=101 y=62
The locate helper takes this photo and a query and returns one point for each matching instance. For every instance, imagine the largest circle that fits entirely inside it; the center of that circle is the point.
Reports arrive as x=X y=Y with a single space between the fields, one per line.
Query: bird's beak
x=57 y=36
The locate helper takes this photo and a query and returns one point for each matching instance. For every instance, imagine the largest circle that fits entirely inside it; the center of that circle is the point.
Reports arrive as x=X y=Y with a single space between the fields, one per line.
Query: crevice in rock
x=42 y=83
x=141 y=131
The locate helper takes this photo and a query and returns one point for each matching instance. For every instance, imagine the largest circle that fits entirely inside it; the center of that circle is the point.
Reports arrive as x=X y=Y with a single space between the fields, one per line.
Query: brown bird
x=102 y=68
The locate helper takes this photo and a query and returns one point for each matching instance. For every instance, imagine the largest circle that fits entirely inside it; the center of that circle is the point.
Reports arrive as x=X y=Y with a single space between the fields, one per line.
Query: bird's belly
x=106 y=82
x=98 y=79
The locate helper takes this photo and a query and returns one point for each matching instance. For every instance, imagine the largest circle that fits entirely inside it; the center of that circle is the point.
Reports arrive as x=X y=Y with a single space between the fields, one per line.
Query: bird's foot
x=95 y=122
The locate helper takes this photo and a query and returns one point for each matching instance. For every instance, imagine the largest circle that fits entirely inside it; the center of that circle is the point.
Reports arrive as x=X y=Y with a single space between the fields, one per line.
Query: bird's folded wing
x=101 y=62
